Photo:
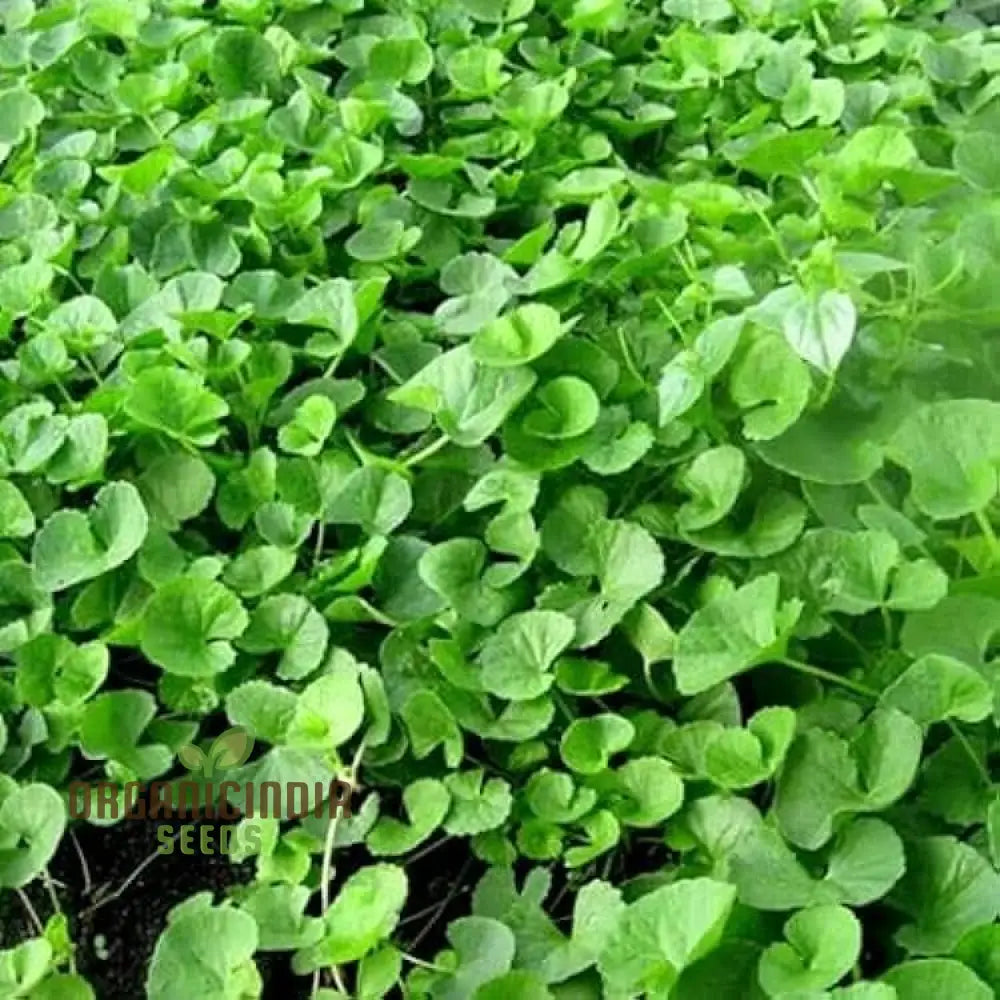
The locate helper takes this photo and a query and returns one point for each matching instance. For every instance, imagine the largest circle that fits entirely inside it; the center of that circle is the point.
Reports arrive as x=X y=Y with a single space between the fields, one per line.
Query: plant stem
x=439 y=910
x=427 y=849
x=320 y=538
x=990 y=535
x=827 y=675
x=434 y=907
x=32 y=914
x=64 y=392
x=57 y=907
x=970 y=752
x=134 y=874
x=887 y=626
x=326 y=868
x=84 y=867
x=413 y=960
x=850 y=638
x=432 y=449
x=91 y=369
x=332 y=366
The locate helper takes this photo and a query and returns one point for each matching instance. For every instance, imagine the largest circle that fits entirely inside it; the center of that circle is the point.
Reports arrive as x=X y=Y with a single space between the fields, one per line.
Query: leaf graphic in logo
x=191 y=757
x=231 y=749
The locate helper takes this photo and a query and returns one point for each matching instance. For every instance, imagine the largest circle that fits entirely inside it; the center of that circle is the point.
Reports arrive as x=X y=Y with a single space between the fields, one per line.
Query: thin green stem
x=560 y=703
x=432 y=449
x=627 y=356
x=64 y=392
x=326 y=868
x=320 y=539
x=647 y=672
x=828 y=388
x=852 y=640
x=970 y=752
x=890 y=639
x=828 y=675
x=332 y=366
x=413 y=960
x=91 y=369
x=57 y=907
x=986 y=527
x=32 y=914
x=665 y=309
x=878 y=497
x=779 y=243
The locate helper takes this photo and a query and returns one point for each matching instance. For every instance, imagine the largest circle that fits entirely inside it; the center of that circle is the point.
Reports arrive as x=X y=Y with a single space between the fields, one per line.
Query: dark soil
x=115 y=937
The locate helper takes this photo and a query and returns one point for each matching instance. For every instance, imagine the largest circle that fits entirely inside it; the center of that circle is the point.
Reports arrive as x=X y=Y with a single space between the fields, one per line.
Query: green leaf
x=262 y=709
x=949 y=888
x=374 y=498
x=426 y=802
x=287 y=624
x=588 y=744
x=84 y=322
x=455 y=570
x=32 y=821
x=731 y=634
x=258 y=570
x=477 y=805
x=330 y=306
x=951 y=450
x=17 y=520
x=243 y=63
x=820 y=328
x=25 y=607
x=51 y=668
x=177 y=487
x=528 y=985
x=662 y=933
x=307 y=431
x=430 y=724
x=176 y=403
x=714 y=480
x=188 y=627
x=978 y=950
x=648 y=790
x=519 y=337
x=469 y=402
x=975 y=157
x=516 y=661
x=73 y=546
x=20 y=110
x=823 y=943
x=567 y=407
x=204 y=950
x=770 y=381
x=363 y=914
x=935 y=977
x=484 y=951
x=407 y=60
x=330 y=710
x=935 y=688
x=863 y=864
x=825 y=776
x=30 y=435
x=281 y=924
x=111 y=728
x=833 y=446
x=24 y=966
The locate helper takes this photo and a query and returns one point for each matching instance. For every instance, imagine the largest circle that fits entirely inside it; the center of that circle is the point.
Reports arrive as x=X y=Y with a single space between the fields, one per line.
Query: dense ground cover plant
x=575 y=422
